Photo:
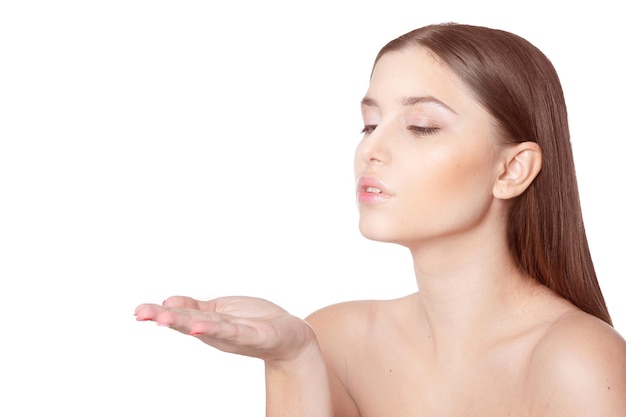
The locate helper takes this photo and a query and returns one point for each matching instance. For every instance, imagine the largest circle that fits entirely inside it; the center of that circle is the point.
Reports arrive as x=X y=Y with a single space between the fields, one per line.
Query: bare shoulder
x=338 y=328
x=343 y=321
x=354 y=319
x=345 y=332
x=579 y=368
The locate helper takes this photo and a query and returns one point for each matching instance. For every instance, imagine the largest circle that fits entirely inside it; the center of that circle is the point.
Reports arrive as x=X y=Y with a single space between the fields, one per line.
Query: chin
x=379 y=234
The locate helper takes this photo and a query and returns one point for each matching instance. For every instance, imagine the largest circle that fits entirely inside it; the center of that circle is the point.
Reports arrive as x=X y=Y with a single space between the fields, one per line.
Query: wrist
x=298 y=386
x=309 y=355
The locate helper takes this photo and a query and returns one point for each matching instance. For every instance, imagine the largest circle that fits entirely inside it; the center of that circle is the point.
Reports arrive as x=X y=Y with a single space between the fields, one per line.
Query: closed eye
x=368 y=129
x=423 y=131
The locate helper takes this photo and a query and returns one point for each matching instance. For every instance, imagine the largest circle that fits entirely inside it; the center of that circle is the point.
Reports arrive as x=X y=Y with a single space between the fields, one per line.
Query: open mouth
x=373 y=190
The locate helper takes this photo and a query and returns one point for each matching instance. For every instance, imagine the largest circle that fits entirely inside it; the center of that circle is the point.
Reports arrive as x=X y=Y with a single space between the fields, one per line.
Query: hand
x=242 y=325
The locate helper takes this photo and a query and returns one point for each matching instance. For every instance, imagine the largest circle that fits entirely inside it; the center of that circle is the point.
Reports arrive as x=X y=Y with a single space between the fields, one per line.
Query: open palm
x=243 y=325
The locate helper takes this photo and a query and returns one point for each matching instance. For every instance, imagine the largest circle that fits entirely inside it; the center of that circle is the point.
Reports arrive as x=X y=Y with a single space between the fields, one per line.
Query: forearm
x=298 y=388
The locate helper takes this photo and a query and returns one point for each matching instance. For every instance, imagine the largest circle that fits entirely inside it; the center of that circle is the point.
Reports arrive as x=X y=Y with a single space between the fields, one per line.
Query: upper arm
x=580 y=370
x=333 y=329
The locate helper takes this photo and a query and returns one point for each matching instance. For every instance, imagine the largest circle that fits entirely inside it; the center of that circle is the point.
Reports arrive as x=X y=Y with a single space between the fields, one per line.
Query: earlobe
x=521 y=166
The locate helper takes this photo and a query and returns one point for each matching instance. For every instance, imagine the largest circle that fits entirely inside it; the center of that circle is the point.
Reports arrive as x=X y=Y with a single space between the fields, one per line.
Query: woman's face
x=428 y=160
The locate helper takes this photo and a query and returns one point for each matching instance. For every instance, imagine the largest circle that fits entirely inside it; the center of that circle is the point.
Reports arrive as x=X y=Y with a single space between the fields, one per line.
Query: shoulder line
x=581 y=362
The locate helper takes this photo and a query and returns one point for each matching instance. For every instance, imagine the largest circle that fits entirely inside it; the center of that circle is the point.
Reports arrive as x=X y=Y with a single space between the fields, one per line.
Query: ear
x=522 y=163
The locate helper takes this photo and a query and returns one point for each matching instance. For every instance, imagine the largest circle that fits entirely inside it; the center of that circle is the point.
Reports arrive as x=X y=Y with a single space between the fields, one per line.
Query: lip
x=364 y=197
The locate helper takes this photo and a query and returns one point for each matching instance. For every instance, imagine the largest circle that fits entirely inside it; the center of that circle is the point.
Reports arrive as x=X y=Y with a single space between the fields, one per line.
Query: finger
x=182 y=320
x=227 y=304
x=153 y=311
x=191 y=303
x=229 y=336
x=145 y=312
x=218 y=329
x=179 y=301
x=231 y=332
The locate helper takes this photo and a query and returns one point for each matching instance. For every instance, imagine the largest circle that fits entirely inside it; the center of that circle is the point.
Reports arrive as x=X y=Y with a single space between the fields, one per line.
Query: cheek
x=451 y=183
x=465 y=176
x=457 y=169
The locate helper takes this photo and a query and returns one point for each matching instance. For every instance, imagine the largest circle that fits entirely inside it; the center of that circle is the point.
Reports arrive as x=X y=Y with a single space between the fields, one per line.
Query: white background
x=151 y=148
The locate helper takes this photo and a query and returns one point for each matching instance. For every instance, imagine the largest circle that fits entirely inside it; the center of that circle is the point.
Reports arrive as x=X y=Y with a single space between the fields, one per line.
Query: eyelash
x=423 y=131
x=368 y=129
x=418 y=130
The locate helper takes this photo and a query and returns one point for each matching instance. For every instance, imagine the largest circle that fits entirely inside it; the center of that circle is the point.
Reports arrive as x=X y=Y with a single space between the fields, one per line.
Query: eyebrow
x=411 y=101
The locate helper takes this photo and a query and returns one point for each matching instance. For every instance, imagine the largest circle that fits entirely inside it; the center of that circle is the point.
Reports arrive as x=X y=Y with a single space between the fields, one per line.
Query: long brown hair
x=520 y=88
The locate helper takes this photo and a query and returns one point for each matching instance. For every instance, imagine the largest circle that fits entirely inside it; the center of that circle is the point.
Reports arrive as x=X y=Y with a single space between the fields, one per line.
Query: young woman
x=466 y=161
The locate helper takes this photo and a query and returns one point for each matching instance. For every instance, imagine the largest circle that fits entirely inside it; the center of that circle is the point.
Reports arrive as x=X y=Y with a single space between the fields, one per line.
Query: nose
x=374 y=149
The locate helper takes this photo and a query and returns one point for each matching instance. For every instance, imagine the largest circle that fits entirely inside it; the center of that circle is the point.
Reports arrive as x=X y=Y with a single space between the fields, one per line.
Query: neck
x=469 y=296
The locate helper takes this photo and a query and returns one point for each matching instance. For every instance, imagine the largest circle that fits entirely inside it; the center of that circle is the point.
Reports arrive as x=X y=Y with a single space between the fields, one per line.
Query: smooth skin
x=479 y=338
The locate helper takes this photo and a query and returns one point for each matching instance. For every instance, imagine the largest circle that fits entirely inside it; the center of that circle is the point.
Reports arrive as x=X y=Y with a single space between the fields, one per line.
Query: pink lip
x=365 y=197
